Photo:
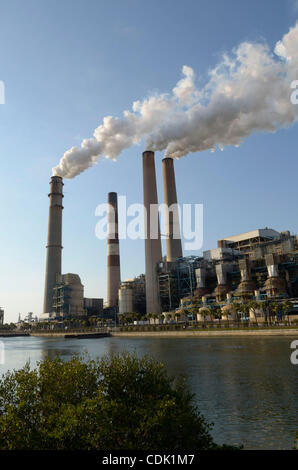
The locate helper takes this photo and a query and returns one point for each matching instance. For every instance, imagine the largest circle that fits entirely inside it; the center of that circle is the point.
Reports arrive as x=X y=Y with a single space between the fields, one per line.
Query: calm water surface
x=246 y=386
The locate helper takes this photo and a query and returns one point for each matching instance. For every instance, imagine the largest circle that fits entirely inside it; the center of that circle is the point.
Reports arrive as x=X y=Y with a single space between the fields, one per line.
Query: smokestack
x=54 y=245
x=113 y=252
x=152 y=241
x=172 y=225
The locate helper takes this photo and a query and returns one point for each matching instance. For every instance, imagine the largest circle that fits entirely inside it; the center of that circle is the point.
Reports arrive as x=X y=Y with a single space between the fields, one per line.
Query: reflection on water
x=246 y=386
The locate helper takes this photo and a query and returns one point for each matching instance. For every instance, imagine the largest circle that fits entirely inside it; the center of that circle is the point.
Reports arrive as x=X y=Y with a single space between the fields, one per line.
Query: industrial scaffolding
x=61 y=300
x=168 y=291
x=178 y=282
x=186 y=275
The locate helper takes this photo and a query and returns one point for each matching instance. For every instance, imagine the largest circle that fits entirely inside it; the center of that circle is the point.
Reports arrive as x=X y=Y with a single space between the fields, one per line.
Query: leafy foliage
x=118 y=402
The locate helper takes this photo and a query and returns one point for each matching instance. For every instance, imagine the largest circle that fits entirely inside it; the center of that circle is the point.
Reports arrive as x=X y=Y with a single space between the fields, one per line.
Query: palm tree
x=244 y=308
x=217 y=313
x=177 y=316
x=274 y=307
x=205 y=311
x=287 y=306
x=254 y=305
x=266 y=310
x=168 y=317
x=135 y=316
x=196 y=305
x=185 y=313
x=236 y=308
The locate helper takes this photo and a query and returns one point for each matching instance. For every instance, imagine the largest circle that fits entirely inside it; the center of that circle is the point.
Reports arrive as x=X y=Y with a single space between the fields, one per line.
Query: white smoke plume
x=248 y=91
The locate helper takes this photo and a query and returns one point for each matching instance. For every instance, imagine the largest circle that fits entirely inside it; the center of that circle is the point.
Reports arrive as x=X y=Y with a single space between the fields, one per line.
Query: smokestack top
x=57 y=179
x=112 y=197
x=56 y=186
x=167 y=159
x=148 y=153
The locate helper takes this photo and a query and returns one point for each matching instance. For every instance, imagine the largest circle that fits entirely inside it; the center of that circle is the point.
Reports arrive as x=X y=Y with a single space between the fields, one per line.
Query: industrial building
x=262 y=264
x=132 y=296
x=68 y=298
x=93 y=307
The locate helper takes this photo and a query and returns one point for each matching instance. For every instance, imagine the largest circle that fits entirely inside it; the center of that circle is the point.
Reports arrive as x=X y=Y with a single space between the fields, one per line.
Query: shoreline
x=72 y=335
x=194 y=334
x=160 y=334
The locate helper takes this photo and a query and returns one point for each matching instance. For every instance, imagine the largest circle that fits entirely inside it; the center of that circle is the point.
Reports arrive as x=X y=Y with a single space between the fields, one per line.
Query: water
x=246 y=386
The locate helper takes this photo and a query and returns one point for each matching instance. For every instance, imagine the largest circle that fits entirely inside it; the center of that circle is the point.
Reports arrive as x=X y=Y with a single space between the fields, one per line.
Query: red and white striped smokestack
x=113 y=280
x=172 y=224
x=153 y=254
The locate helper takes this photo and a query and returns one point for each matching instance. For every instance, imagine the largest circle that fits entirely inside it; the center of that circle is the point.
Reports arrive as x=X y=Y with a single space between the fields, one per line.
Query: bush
x=118 y=402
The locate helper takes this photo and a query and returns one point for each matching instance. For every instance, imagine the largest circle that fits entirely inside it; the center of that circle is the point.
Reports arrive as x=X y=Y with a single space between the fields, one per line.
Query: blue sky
x=67 y=64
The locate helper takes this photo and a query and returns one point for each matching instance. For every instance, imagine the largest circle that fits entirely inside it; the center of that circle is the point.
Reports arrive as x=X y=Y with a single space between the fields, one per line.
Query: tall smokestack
x=172 y=225
x=113 y=251
x=153 y=253
x=54 y=245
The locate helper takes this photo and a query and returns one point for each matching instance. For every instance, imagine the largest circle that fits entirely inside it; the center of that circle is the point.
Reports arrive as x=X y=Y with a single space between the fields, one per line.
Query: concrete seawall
x=70 y=335
x=195 y=334
x=12 y=335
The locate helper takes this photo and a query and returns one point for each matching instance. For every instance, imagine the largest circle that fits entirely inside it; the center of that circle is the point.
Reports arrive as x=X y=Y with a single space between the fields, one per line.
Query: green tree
x=205 y=312
x=266 y=310
x=135 y=316
x=287 y=306
x=118 y=402
x=196 y=305
x=168 y=317
x=155 y=317
x=177 y=316
x=245 y=308
x=236 y=309
x=185 y=313
x=274 y=307
x=254 y=306
x=217 y=313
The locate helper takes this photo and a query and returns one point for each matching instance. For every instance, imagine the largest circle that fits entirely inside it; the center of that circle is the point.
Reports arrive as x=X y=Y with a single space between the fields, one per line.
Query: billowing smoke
x=248 y=91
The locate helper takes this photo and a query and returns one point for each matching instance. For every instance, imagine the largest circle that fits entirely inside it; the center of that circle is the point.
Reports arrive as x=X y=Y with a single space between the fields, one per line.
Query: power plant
x=261 y=264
